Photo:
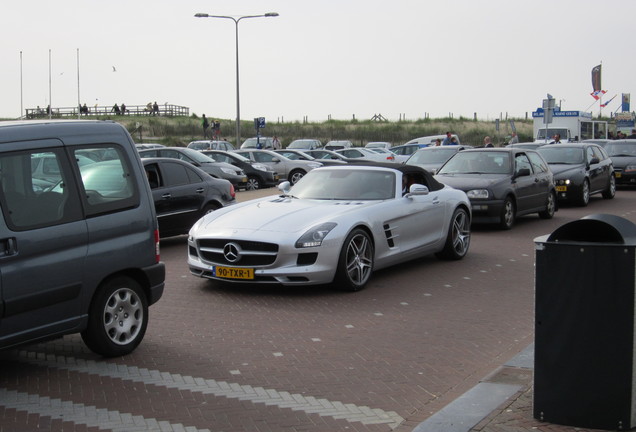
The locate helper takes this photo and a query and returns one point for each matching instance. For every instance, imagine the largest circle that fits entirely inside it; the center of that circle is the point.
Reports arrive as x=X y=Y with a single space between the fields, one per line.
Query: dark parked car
x=183 y=194
x=580 y=170
x=258 y=175
x=216 y=169
x=623 y=155
x=502 y=183
x=431 y=158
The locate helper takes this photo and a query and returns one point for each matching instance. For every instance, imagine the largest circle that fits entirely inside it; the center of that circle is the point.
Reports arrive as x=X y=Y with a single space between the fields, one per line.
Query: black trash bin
x=585 y=365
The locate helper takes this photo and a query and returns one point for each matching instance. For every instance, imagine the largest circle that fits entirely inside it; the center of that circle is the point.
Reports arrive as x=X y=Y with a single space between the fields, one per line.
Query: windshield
x=479 y=162
x=203 y=145
x=620 y=149
x=300 y=144
x=551 y=132
x=562 y=155
x=436 y=156
x=198 y=156
x=342 y=184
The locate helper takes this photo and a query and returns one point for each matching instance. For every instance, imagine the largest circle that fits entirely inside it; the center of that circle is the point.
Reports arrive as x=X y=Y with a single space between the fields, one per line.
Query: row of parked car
x=502 y=183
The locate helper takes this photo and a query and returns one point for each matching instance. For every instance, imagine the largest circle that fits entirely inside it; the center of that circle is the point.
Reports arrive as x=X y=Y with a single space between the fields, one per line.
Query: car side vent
x=389 y=235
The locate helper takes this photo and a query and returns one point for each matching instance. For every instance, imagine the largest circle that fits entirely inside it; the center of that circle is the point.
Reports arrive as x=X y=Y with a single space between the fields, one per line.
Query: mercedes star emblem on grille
x=232 y=252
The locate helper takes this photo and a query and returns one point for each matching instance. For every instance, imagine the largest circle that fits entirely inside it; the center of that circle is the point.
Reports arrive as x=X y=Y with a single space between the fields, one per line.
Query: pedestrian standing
x=206 y=125
x=514 y=139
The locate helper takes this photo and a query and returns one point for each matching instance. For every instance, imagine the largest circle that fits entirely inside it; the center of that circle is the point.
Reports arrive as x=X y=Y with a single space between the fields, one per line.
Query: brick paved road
x=258 y=358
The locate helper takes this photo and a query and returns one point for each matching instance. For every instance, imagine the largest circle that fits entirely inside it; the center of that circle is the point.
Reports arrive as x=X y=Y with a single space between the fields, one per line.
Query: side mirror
x=523 y=172
x=594 y=160
x=417 y=189
x=284 y=187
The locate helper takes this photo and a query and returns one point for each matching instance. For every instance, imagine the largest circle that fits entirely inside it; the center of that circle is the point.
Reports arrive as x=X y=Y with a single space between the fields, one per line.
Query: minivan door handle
x=8 y=247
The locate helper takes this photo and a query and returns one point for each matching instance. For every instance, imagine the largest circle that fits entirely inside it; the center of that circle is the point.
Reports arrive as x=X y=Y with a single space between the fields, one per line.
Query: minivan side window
x=31 y=194
x=108 y=185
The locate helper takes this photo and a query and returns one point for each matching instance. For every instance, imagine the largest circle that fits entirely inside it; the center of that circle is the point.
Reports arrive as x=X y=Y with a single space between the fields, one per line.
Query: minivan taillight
x=157 y=253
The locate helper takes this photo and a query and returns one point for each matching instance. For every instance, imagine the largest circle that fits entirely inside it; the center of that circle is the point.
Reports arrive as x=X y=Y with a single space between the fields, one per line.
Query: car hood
x=472 y=181
x=274 y=214
x=623 y=161
x=561 y=170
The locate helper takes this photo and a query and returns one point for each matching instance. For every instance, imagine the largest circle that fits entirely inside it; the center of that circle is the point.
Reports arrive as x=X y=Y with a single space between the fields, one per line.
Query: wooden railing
x=131 y=110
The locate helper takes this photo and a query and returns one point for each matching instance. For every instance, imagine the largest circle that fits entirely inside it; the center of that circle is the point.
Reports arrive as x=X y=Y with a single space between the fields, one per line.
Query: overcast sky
x=324 y=58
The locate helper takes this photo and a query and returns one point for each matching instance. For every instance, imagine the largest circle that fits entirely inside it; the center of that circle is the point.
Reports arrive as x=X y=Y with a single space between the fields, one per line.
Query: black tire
x=296 y=175
x=550 y=207
x=210 y=207
x=584 y=197
x=508 y=214
x=117 y=318
x=610 y=192
x=355 y=263
x=253 y=183
x=458 y=238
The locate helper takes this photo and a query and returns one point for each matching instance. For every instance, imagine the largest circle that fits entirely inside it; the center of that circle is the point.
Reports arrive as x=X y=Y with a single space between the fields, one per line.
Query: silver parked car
x=292 y=170
x=337 y=224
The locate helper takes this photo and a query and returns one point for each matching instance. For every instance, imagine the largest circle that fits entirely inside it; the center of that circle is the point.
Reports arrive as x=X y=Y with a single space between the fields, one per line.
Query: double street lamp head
x=204 y=15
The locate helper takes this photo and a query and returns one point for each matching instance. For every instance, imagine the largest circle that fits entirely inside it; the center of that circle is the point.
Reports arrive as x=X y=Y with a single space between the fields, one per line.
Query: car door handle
x=200 y=190
x=166 y=195
x=8 y=247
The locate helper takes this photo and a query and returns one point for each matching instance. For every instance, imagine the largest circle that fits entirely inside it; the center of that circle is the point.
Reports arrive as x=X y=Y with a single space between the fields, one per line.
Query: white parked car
x=337 y=224
x=379 y=144
x=365 y=154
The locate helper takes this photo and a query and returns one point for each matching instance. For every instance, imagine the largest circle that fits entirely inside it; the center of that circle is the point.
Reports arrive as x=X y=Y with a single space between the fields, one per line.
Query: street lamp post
x=236 y=24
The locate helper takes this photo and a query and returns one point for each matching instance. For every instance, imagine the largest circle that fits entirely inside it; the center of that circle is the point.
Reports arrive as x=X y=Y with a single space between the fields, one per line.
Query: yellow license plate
x=617 y=174
x=233 y=272
x=562 y=188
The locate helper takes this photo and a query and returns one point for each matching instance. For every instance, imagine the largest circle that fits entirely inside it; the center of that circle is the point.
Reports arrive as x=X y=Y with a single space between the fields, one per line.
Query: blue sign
x=260 y=122
x=558 y=113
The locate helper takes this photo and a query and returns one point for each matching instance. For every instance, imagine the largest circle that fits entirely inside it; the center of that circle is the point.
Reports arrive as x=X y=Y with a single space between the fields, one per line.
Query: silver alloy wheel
x=252 y=184
x=461 y=233
x=296 y=176
x=359 y=259
x=585 y=193
x=123 y=316
x=508 y=216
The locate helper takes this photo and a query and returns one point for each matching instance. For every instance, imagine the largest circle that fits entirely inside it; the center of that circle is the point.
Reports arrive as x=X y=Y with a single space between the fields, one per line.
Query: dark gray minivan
x=77 y=254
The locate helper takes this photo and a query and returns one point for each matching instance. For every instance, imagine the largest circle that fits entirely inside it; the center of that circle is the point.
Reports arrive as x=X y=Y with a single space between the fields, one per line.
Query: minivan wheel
x=118 y=318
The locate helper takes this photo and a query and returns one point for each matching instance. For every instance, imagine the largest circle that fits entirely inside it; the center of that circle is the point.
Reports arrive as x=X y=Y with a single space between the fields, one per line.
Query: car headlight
x=315 y=164
x=563 y=182
x=315 y=236
x=478 y=193
x=229 y=171
x=259 y=167
x=630 y=168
